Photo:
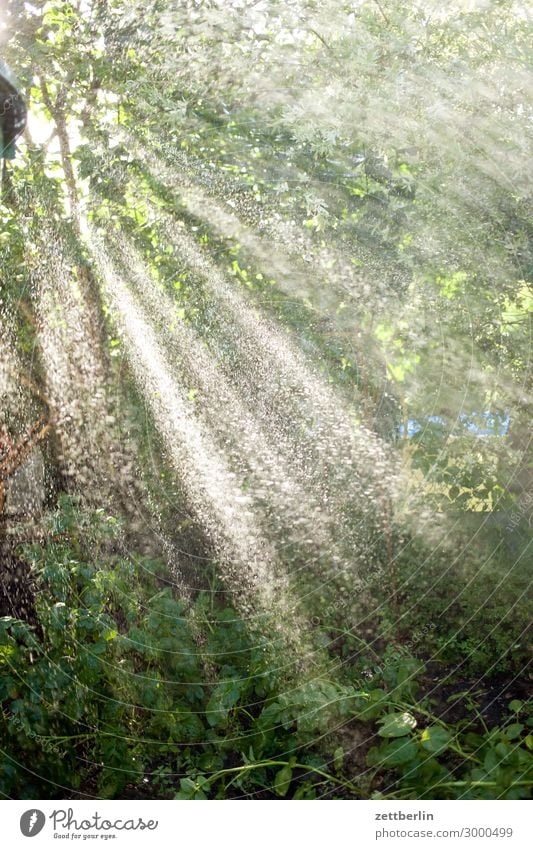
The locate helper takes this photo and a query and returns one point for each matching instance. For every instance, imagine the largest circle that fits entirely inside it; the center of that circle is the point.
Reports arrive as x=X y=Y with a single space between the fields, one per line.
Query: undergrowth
x=122 y=689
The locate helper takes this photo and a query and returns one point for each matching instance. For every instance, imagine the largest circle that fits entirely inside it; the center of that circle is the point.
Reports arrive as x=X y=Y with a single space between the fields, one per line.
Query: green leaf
x=397 y=724
x=282 y=780
x=513 y=731
x=373 y=705
x=396 y=753
x=192 y=789
x=338 y=758
x=5 y=652
x=305 y=791
x=223 y=698
x=435 y=739
x=516 y=705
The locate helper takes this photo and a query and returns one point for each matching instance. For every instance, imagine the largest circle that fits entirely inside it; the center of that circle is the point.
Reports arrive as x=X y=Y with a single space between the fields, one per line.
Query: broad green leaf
x=396 y=724
x=435 y=739
x=513 y=731
x=338 y=758
x=396 y=753
x=282 y=780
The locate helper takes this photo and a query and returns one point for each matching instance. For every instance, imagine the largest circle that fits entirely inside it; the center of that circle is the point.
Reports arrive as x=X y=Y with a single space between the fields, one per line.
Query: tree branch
x=382 y=12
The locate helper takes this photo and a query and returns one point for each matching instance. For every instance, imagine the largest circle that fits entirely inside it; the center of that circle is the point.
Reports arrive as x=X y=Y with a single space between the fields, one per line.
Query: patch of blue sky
x=481 y=424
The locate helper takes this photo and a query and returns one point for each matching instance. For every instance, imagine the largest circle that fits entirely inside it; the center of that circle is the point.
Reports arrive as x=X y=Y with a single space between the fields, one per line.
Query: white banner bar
x=267 y=825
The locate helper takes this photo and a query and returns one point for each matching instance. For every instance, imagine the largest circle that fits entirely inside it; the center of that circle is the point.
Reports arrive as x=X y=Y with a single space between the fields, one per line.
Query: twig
x=21 y=451
x=383 y=15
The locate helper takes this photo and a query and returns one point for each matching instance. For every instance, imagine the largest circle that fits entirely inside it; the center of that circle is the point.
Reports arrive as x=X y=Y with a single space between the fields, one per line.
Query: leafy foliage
x=358 y=173
x=110 y=691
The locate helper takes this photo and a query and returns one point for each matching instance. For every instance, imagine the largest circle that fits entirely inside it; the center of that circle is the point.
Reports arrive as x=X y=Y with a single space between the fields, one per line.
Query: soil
x=17 y=587
x=452 y=701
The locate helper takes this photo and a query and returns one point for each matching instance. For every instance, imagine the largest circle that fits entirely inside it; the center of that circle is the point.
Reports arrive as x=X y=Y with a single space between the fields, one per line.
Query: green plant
x=428 y=758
